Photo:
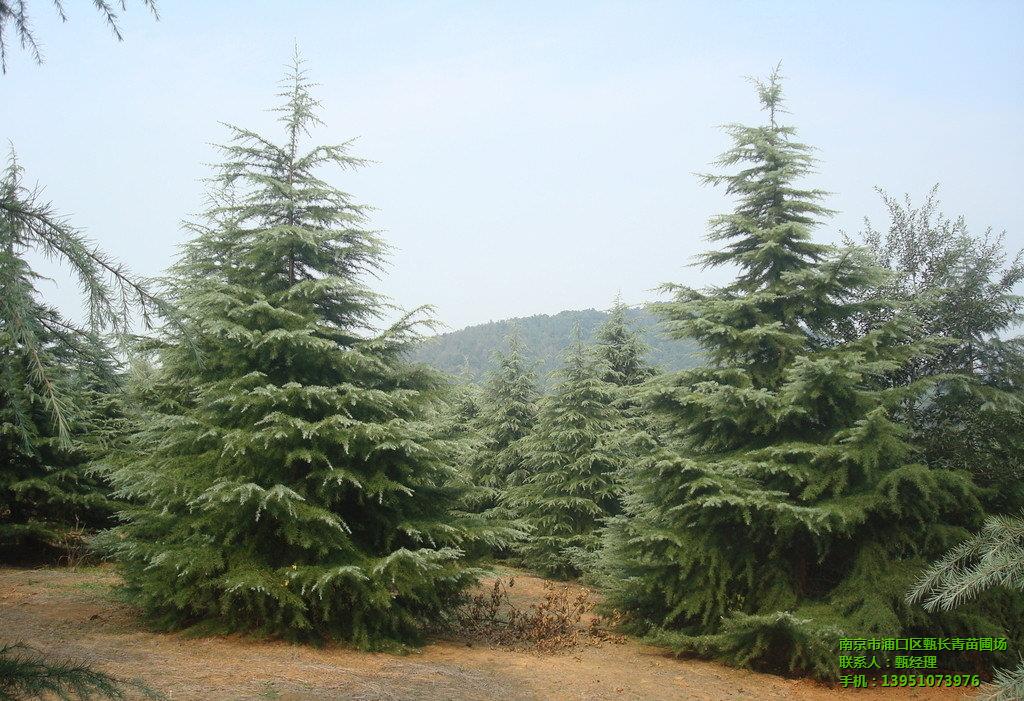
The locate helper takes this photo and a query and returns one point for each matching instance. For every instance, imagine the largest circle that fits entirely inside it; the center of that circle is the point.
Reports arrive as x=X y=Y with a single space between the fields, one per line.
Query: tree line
x=468 y=353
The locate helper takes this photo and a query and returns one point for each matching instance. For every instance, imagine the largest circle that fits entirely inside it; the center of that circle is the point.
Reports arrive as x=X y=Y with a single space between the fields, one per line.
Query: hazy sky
x=530 y=157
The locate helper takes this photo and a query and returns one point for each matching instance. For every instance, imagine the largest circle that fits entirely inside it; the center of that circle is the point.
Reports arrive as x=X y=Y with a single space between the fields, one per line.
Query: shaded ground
x=74 y=614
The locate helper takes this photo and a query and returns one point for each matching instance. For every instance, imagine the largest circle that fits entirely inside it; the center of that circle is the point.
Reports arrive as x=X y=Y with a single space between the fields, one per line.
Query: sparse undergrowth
x=555 y=623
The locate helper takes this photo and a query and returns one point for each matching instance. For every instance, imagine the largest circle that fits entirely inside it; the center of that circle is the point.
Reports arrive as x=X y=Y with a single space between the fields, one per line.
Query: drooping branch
x=15 y=13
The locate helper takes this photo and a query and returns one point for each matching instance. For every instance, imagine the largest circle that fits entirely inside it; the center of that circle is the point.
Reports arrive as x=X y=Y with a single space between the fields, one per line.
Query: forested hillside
x=469 y=351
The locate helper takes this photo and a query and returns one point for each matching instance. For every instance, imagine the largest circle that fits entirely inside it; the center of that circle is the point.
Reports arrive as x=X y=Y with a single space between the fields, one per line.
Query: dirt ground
x=74 y=613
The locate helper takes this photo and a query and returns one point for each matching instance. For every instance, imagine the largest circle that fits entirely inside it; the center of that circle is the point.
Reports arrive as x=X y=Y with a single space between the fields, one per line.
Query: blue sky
x=530 y=157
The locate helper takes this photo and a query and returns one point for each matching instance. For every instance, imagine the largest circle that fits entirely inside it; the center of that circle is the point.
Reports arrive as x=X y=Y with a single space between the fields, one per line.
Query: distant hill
x=470 y=350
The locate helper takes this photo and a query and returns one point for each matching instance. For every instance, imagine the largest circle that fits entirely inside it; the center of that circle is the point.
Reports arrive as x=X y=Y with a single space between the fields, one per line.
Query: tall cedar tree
x=624 y=355
x=572 y=466
x=58 y=385
x=788 y=505
x=289 y=482
x=455 y=421
x=507 y=414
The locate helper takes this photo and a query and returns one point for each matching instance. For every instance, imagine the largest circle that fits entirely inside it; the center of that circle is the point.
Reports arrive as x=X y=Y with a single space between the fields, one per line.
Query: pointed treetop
x=622 y=349
x=769 y=232
x=575 y=354
x=577 y=335
x=512 y=366
x=299 y=110
x=769 y=92
x=514 y=341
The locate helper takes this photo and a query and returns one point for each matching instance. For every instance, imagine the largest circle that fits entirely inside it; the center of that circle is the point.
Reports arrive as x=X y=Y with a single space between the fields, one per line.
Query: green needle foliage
x=454 y=421
x=58 y=383
x=495 y=461
x=112 y=295
x=459 y=412
x=788 y=504
x=1007 y=685
x=623 y=351
x=25 y=674
x=572 y=463
x=288 y=480
x=15 y=14
x=51 y=495
x=994 y=557
x=624 y=355
x=507 y=415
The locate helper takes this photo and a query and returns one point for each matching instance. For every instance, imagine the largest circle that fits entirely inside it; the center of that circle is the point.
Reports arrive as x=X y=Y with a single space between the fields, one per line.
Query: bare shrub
x=75 y=548
x=553 y=624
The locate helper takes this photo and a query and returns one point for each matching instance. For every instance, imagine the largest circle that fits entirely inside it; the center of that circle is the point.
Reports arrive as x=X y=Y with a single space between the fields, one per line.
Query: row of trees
x=859 y=416
x=554 y=465
x=280 y=467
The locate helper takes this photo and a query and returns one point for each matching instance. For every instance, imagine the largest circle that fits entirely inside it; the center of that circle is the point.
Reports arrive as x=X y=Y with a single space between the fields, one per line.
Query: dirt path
x=74 y=614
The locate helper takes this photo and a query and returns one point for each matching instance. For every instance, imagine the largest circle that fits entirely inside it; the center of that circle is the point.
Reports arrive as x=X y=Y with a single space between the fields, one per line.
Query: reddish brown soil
x=75 y=614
